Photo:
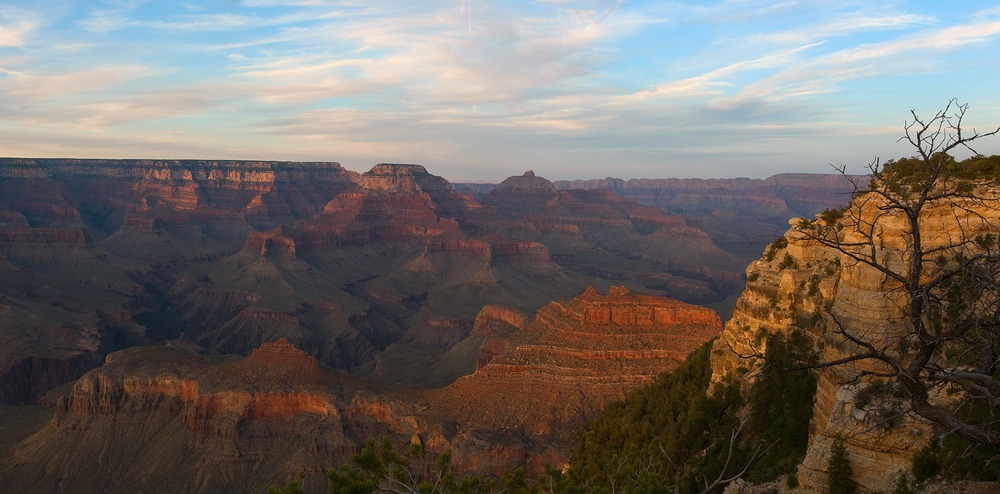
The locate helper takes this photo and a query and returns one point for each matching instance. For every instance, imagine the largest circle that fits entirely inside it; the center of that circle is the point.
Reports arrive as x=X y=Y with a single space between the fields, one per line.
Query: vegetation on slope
x=668 y=434
x=675 y=435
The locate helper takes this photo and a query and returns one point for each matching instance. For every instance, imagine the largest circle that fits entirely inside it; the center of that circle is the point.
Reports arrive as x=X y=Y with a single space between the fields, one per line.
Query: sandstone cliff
x=800 y=284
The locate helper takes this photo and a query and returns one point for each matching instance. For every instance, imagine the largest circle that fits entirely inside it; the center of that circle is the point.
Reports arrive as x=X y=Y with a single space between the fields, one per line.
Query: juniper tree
x=946 y=282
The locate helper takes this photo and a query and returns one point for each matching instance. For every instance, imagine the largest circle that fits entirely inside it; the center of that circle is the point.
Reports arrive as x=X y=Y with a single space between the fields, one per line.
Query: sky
x=481 y=90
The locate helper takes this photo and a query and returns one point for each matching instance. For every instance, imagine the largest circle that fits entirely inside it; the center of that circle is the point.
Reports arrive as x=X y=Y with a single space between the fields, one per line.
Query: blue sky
x=480 y=90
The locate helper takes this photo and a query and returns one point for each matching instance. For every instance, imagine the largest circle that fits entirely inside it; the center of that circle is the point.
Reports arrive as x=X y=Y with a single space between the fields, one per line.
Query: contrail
x=618 y=4
x=461 y=14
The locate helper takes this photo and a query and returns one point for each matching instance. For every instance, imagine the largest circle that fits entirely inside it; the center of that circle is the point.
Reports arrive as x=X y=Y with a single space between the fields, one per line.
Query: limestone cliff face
x=178 y=189
x=402 y=178
x=799 y=283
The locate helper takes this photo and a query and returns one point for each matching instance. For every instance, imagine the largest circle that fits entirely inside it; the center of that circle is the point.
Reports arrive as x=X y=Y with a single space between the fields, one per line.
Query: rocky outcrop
x=271 y=242
x=602 y=223
x=392 y=177
x=527 y=182
x=741 y=215
x=800 y=284
x=72 y=232
x=494 y=325
x=574 y=357
x=279 y=361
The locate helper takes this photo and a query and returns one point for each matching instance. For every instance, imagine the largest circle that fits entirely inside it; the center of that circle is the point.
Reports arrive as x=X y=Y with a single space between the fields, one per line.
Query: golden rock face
x=799 y=283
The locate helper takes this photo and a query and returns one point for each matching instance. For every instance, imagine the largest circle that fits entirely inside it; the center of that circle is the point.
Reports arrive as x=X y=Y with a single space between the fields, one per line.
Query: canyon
x=171 y=419
x=364 y=271
x=256 y=319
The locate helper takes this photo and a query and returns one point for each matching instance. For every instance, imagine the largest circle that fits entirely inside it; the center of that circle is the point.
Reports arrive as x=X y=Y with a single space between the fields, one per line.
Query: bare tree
x=945 y=282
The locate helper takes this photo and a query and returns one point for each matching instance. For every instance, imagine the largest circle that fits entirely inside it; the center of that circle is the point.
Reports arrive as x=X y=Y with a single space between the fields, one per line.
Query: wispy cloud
x=713 y=83
x=432 y=57
x=16 y=26
x=916 y=53
x=102 y=21
x=471 y=81
x=850 y=23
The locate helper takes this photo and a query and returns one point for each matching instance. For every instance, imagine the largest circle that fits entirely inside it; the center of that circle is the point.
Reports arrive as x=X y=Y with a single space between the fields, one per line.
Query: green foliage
x=814 y=285
x=772 y=249
x=839 y=470
x=792 y=480
x=787 y=262
x=925 y=463
x=884 y=400
x=672 y=432
x=833 y=216
x=981 y=167
x=292 y=487
x=379 y=467
x=906 y=176
x=913 y=171
x=781 y=404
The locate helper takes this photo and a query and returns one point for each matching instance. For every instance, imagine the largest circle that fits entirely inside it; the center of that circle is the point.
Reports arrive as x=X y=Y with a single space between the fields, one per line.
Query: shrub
x=778 y=244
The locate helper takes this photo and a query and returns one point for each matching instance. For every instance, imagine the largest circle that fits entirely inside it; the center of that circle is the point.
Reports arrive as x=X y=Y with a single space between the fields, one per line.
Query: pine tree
x=839 y=470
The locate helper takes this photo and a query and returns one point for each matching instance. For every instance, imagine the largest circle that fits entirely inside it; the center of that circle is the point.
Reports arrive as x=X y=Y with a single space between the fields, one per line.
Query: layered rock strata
x=167 y=419
x=575 y=357
x=801 y=284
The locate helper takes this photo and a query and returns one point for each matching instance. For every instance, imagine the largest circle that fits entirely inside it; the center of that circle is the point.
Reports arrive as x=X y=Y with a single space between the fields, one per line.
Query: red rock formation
x=207 y=424
x=271 y=242
x=494 y=324
x=573 y=358
x=278 y=362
